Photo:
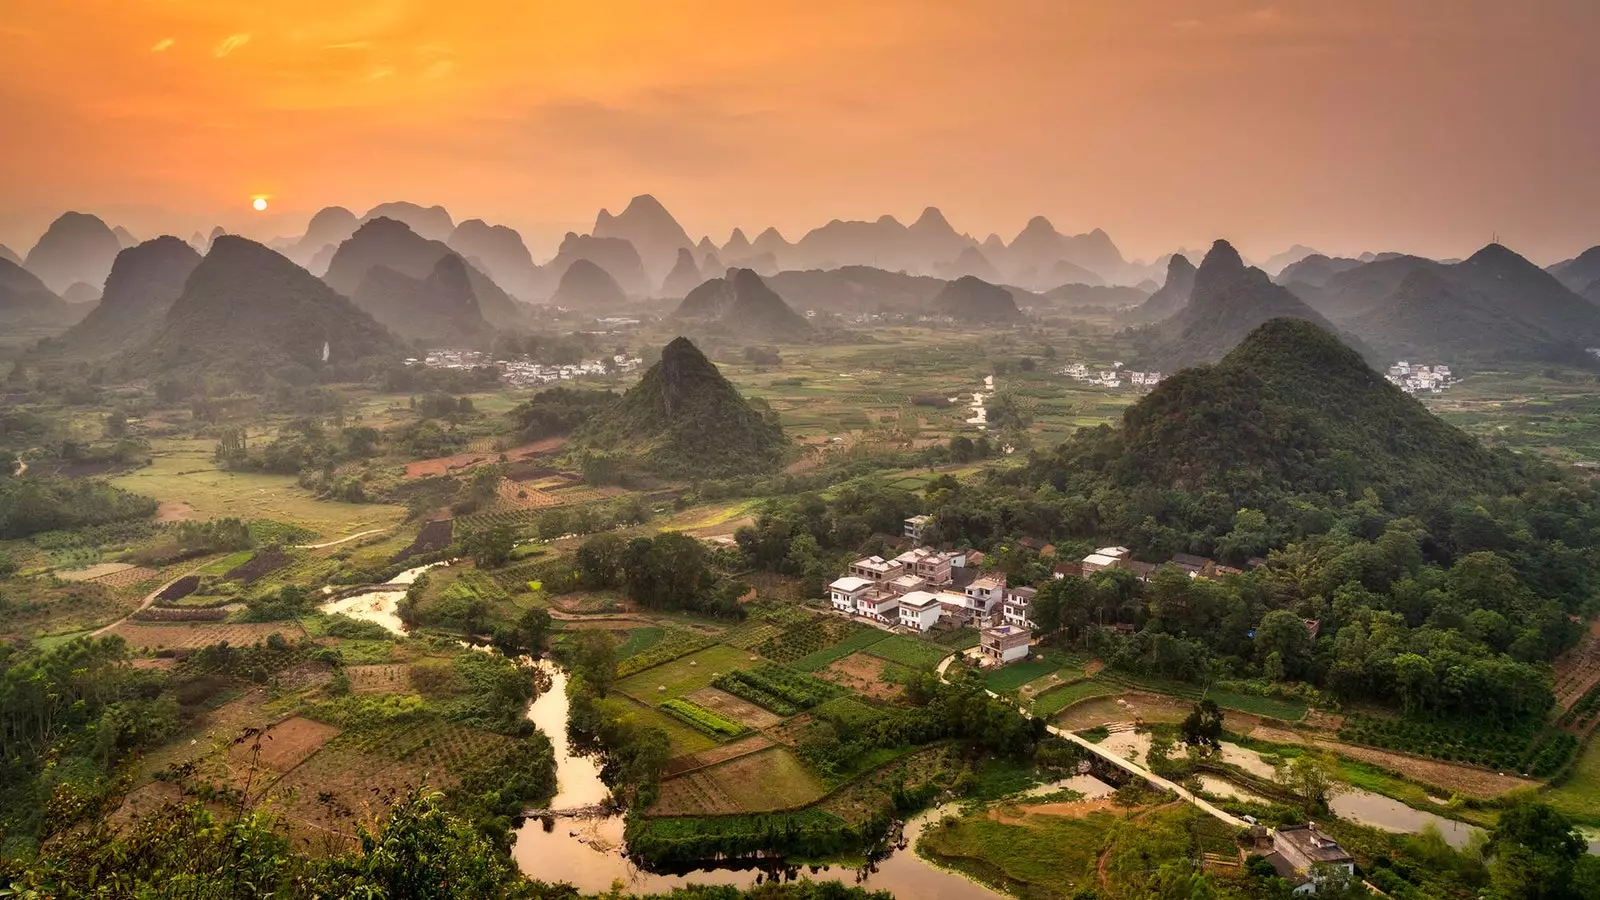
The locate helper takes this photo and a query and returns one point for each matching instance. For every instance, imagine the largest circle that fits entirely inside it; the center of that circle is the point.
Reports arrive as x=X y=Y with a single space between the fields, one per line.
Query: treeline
x=30 y=504
x=670 y=571
x=557 y=411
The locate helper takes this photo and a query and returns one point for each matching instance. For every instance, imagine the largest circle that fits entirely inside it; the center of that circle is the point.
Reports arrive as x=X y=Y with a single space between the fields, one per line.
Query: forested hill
x=684 y=418
x=1291 y=411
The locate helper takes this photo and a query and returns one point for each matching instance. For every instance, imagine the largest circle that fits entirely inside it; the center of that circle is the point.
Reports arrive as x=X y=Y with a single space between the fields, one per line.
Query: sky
x=1427 y=126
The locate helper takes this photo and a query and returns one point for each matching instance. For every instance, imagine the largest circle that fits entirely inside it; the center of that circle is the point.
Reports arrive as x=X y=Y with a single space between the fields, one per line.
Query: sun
x=260 y=204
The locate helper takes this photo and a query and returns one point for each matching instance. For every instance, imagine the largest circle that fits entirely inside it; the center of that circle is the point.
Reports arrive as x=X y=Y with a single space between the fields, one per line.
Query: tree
x=1535 y=854
x=1309 y=778
x=489 y=547
x=532 y=626
x=1284 y=633
x=1203 y=726
x=594 y=657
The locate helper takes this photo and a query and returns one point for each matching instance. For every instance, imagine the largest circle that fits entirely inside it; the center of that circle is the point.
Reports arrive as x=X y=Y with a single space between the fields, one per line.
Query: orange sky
x=1422 y=125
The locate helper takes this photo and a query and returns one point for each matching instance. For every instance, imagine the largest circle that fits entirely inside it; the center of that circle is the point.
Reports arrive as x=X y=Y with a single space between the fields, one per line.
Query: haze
x=1421 y=126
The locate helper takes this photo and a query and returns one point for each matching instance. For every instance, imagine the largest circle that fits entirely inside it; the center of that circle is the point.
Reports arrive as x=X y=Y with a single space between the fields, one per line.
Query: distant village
x=523 y=373
x=1114 y=377
x=923 y=588
x=1420 y=379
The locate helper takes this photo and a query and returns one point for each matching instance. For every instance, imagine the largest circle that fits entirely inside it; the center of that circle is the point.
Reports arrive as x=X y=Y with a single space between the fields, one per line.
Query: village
x=1420 y=379
x=1113 y=377
x=923 y=588
x=524 y=373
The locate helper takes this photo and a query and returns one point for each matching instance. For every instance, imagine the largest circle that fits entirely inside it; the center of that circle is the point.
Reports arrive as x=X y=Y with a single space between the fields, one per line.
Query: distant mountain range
x=1228 y=301
x=744 y=306
x=587 y=287
x=25 y=301
x=144 y=282
x=975 y=301
x=441 y=308
x=1493 y=305
x=248 y=311
x=394 y=245
x=77 y=247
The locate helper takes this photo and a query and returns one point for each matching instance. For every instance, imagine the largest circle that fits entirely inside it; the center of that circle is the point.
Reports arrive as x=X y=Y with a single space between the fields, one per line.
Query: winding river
x=379 y=606
x=589 y=853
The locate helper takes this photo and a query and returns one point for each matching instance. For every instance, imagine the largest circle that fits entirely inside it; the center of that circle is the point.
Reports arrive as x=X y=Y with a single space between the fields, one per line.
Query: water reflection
x=379 y=606
x=1388 y=814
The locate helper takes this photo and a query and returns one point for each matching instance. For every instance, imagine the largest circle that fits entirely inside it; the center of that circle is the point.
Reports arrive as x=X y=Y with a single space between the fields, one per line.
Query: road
x=359 y=534
x=148 y=599
x=1123 y=763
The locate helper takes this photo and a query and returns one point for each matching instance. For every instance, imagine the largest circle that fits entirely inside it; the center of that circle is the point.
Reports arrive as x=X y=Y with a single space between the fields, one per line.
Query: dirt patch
x=863 y=674
x=380 y=679
x=1133 y=707
x=460 y=462
x=433 y=537
x=173 y=511
x=180 y=589
x=285 y=745
x=792 y=731
x=95 y=572
x=1014 y=814
x=1468 y=780
x=141 y=636
x=127 y=578
x=261 y=564
x=742 y=711
x=691 y=761
x=1093 y=667
x=1578 y=670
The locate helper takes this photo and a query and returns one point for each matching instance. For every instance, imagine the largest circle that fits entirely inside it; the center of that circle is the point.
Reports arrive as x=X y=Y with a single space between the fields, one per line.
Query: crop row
x=673 y=644
x=805 y=637
x=858 y=640
x=778 y=689
x=908 y=651
x=698 y=717
x=1583 y=712
x=1524 y=749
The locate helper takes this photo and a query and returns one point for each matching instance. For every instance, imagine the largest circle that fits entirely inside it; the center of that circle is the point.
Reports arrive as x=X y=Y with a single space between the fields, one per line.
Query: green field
x=680 y=737
x=684 y=675
x=1579 y=795
x=1059 y=698
x=821 y=659
x=908 y=651
x=183 y=472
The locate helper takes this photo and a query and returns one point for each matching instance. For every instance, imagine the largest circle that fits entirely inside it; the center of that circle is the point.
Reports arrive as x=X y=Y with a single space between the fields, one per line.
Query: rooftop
x=1005 y=631
x=1099 y=559
x=919 y=600
x=1313 y=842
x=850 y=583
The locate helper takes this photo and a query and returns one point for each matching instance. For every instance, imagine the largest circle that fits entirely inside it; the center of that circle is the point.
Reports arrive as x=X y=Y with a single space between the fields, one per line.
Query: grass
x=908 y=651
x=226 y=563
x=1579 y=796
x=684 y=675
x=183 y=471
x=1057 y=699
x=1270 y=707
x=770 y=780
x=640 y=640
x=1048 y=856
x=1009 y=678
x=821 y=659
x=681 y=739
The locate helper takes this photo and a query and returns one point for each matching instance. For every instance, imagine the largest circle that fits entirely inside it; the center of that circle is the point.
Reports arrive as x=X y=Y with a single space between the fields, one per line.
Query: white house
x=880 y=605
x=985 y=595
x=920 y=610
x=846 y=593
x=916 y=525
x=1015 y=609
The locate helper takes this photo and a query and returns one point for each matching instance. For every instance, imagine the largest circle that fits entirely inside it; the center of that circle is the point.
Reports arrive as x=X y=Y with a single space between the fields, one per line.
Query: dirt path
x=359 y=534
x=148 y=599
x=1470 y=780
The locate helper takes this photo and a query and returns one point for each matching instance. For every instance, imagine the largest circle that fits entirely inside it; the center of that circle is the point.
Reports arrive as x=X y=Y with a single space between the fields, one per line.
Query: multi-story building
x=920 y=610
x=846 y=593
x=1302 y=854
x=877 y=570
x=1015 y=609
x=985 y=595
x=916 y=525
x=1005 y=643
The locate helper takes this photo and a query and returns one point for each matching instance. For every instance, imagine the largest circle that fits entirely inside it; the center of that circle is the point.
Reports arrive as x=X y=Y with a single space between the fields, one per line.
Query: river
x=379 y=606
x=589 y=853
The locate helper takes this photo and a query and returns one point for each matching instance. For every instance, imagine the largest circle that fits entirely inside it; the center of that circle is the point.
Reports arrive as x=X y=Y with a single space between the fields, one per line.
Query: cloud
x=163 y=45
x=231 y=43
x=349 y=45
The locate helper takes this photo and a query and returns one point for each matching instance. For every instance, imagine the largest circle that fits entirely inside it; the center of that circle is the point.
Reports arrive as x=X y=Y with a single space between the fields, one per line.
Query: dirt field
x=94 y=572
x=443 y=465
x=513 y=495
x=1126 y=708
x=379 y=679
x=141 y=636
x=133 y=576
x=791 y=731
x=742 y=711
x=173 y=511
x=758 y=782
x=1578 y=669
x=284 y=745
x=863 y=674
x=1015 y=814
x=719 y=754
x=1467 y=780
